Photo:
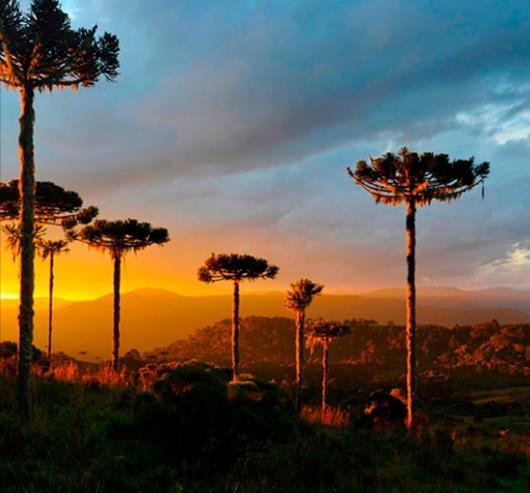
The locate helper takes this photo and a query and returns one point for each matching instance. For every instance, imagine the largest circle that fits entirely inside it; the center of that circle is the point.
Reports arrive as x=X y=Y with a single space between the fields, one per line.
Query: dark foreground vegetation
x=175 y=427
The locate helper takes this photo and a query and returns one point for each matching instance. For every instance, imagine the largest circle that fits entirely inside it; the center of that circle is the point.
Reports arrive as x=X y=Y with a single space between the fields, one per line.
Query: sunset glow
x=264 y=246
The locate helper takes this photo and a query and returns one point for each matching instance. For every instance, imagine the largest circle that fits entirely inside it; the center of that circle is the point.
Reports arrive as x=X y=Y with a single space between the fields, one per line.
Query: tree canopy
x=301 y=294
x=321 y=329
x=52 y=247
x=394 y=178
x=53 y=205
x=122 y=236
x=14 y=236
x=39 y=49
x=235 y=267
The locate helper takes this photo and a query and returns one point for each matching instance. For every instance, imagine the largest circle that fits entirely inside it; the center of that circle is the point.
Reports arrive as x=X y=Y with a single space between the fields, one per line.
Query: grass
x=193 y=432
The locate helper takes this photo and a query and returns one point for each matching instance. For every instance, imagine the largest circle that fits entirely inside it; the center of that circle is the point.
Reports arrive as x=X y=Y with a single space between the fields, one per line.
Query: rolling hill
x=154 y=317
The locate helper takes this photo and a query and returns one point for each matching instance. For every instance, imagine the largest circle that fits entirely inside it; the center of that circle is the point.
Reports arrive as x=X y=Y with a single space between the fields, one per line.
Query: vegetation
x=235 y=268
x=49 y=249
x=416 y=180
x=118 y=238
x=185 y=417
x=41 y=52
x=322 y=332
x=190 y=429
x=298 y=298
x=369 y=356
x=54 y=206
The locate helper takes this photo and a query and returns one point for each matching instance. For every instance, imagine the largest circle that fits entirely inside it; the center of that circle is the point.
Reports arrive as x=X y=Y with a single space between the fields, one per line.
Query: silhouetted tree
x=47 y=249
x=53 y=206
x=14 y=235
x=39 y=51
x=298 y=298
x=118 y=238
x=51 y=249
x=235 y=268
x=322 y=332
x=416 y=180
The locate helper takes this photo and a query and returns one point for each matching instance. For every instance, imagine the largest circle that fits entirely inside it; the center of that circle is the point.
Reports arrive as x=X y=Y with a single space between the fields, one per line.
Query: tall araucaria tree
x=39 y=51
x=50 y=249
x=235 y=268
x=322 y=332
x=119 y=238
x=416 y=180
x=298 y=298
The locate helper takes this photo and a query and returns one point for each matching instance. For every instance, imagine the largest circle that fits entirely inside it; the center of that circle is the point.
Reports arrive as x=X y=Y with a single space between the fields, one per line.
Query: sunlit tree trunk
x=325 y=360
x=116 y=324
x=411 y=312
x=27 y=248
x=235 y=333
x=50 y=307
x=300 y=321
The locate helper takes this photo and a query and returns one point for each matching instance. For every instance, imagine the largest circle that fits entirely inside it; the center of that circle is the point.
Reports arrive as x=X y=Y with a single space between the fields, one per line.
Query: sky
x=232 y=124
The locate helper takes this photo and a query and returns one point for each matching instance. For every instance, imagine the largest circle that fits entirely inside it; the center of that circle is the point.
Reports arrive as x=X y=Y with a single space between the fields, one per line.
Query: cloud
x=206 y=89
x=234 y=126
x=513 y=268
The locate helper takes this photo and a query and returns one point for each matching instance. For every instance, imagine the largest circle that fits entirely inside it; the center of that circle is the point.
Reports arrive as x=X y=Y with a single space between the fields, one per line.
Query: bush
x=198 y=417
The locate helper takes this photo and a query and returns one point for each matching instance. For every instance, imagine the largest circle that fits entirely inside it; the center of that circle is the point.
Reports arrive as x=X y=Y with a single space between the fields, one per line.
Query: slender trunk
x=411 y=312
x=50 y=308
x=27 y=249
x=325 y=354
x=300 y=322
x=235 y=333
x=116 y=324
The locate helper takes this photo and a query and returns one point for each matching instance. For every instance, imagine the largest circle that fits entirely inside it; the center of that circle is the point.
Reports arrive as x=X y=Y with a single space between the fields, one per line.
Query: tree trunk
x=50 y=307
x=27 y=249
x=300 y=322
x=325 y=354
x=235 y=333
x=411 y=312
x=116 y=325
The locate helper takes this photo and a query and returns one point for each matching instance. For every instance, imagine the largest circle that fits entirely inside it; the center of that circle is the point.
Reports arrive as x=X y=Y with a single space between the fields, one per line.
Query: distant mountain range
x=154 y=318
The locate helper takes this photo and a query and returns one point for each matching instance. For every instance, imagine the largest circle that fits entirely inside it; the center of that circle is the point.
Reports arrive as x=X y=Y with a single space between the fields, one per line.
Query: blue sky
x=232 y=123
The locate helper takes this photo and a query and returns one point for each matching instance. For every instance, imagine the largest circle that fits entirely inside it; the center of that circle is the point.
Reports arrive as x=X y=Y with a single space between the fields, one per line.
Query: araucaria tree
x=50 y=249
x=39 y=51
x=235 y=268
x=298 y=298
x=416 y=180
x=53 y=205
x=47 y=249
x=322 y=332
x=118 y=238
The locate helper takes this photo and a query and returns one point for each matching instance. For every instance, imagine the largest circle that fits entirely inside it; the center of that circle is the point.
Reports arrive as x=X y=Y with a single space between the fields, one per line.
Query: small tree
x=298 y=298
x=47 y=249
x=14 y=235
x=118 y=238
x=235 y=268
x=54 y=206
x=39 y=51
x=322 y=332
x=416 y=180
x=51 y=249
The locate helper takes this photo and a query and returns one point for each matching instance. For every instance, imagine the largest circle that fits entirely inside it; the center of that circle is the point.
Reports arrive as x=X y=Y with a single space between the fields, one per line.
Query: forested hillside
x=370 y=348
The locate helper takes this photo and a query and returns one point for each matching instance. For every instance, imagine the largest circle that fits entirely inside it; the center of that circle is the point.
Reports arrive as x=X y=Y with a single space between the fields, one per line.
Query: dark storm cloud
x=211 y=87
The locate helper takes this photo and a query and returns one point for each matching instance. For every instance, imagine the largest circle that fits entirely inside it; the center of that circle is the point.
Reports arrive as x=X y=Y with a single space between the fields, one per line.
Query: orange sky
x=250 y=155
x=85 y=274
